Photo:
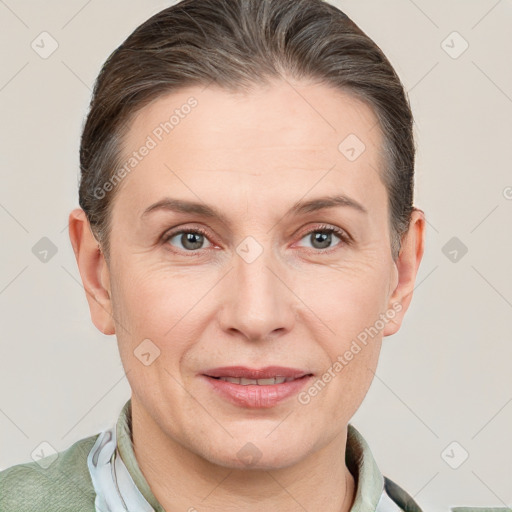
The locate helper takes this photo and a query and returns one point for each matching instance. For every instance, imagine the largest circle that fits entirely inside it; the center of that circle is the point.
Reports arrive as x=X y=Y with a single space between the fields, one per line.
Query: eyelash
x=343 y=235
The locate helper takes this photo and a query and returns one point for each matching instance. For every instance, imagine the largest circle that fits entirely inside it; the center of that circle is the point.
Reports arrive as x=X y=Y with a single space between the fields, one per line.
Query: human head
x=260 y=134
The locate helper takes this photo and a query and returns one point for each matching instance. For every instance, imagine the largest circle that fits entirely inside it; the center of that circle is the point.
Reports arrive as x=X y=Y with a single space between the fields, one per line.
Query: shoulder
x=406 y=502
x=56 y=483
x=400 y=497
x=480 y=509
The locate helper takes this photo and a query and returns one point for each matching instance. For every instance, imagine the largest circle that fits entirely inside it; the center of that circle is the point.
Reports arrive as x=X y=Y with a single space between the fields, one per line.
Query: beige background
x=444 y=377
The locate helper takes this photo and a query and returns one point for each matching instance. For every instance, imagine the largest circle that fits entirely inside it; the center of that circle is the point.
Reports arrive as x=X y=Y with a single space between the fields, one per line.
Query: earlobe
x=408 y=262
x=93 y=270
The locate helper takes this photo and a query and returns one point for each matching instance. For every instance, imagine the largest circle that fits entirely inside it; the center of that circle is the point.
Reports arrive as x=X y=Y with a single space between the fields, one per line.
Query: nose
x=257 y=301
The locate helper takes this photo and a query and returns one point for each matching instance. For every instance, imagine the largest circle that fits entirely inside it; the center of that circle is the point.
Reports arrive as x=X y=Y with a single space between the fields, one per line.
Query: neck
x=182 y=480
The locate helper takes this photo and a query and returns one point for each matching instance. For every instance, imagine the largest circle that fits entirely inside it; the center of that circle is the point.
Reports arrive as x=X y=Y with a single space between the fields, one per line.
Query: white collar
x=115 y=489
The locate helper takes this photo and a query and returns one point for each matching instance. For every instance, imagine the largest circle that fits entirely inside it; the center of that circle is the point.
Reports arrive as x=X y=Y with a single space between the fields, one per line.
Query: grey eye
x=190 y=240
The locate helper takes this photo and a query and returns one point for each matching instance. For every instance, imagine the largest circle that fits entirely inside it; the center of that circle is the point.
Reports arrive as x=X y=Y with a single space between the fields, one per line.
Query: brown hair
x=238 y=44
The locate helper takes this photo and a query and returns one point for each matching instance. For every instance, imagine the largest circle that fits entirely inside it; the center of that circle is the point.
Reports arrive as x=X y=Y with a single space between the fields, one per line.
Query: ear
x=93 y=271
x=407 y=264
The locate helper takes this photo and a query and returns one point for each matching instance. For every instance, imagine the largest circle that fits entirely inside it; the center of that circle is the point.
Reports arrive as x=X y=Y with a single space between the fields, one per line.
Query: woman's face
x=264 y=283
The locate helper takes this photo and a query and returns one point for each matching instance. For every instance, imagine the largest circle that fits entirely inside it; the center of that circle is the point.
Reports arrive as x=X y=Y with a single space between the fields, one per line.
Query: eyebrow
x=299 y=208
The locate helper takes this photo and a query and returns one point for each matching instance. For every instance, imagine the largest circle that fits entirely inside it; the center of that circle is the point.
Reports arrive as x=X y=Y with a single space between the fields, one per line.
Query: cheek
x=160 y=307
x=349 y=302
x=151 y=300
x=356 y=376
x=346 y=298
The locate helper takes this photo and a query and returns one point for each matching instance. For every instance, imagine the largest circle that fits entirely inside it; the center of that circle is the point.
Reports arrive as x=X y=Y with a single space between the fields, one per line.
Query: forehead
x=286 y=133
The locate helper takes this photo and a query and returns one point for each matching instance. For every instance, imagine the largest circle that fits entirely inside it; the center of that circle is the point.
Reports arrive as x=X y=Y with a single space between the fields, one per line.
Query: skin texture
x=252 y=156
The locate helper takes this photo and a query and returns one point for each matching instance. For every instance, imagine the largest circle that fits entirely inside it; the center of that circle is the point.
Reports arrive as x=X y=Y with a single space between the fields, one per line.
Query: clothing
x=101 y=474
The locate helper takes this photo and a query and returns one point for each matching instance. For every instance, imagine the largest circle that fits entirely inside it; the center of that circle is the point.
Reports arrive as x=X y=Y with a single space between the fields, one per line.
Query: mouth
x=259 y=382
x=256 y=388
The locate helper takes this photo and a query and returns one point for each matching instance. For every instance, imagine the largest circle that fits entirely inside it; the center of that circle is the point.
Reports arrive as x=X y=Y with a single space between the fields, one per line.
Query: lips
x=256 y=388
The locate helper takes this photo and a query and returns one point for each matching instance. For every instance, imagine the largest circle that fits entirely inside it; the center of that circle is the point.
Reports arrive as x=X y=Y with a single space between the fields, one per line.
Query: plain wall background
x=444 y=377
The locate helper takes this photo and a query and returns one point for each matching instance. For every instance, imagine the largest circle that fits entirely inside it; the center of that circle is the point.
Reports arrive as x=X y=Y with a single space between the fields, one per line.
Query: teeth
x=231 y=379
x=259 y=382
x=268 y=382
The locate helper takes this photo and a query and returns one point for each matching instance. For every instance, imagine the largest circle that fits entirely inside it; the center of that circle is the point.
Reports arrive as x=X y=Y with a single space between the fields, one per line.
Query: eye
x=321 y=237
x=191 y=239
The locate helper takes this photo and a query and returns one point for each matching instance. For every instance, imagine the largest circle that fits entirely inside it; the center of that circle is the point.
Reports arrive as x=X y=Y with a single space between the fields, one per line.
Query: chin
x=258 y=455
x=255 y=463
